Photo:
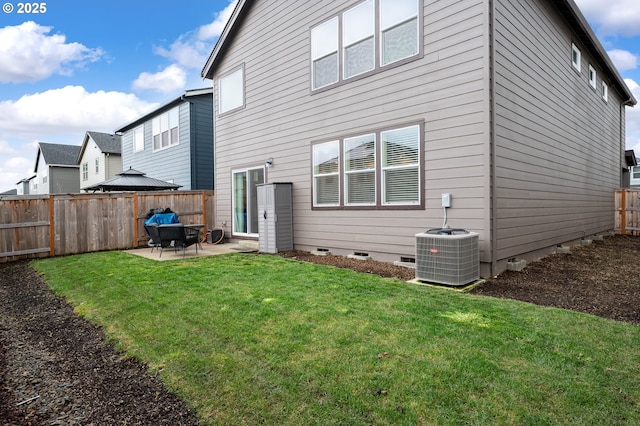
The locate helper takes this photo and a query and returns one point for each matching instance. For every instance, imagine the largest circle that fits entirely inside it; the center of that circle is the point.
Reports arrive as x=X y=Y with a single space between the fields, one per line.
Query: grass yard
x=257 y=339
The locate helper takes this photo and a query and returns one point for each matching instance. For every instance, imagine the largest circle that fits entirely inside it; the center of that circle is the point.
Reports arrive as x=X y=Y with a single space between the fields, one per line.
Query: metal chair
x=178 y=236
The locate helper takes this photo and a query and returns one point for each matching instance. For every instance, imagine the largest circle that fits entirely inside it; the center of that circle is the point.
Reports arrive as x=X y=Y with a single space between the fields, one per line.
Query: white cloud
x=29 y=53
x=613 y=17
x=68 y=110
x=623 y=60
x=214 y=29
x=169 y=80
x=192 y=49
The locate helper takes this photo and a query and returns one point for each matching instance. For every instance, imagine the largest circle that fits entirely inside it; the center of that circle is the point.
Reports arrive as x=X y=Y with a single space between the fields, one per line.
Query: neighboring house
x=375 y=109
x=99 y=158
x=174 y=143
x=24 y=186
x=56 y=169
x=10 y=192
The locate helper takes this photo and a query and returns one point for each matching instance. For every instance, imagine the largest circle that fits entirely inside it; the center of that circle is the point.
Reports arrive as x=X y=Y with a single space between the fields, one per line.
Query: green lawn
x=250 y=339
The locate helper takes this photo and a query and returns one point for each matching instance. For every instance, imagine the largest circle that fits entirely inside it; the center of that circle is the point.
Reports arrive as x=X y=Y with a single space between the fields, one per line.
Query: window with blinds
x=378 y=169
x=364 y=39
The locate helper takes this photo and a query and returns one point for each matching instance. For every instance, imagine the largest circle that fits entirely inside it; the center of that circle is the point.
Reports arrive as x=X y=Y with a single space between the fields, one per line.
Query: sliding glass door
x=245 y=200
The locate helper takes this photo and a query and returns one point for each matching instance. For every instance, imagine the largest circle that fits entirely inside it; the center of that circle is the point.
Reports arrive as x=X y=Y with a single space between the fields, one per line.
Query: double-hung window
x=398 y=29
x=363 y=39
x=324 y=53
x=97 y=165
x=372 y=170
x=85 y=171
x=358 y=39
x=165 y=128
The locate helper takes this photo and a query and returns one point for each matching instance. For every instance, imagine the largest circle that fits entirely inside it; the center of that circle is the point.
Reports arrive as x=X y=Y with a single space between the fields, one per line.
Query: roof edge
x=227 y=32
x=586 y=28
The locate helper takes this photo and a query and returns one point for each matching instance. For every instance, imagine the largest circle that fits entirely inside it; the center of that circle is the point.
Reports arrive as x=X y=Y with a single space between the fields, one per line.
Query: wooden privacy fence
x=49 y=225
x=627 y=212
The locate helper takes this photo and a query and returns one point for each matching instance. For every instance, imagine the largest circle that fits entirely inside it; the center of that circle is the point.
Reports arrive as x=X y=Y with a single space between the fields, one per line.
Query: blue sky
x=99 y=64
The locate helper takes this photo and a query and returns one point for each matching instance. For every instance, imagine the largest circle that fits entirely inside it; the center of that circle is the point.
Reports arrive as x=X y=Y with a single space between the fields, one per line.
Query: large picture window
x=165 y=129
x=367 y=40
x=378 y=169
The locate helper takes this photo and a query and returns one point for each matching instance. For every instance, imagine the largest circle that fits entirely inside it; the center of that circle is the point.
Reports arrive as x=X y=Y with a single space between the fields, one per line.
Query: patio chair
x=154 y=242
x=178 y=236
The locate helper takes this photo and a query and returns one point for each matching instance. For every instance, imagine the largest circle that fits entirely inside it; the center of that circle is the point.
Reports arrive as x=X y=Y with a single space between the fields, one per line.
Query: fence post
x=623 y=212
x=52 y=227
x=135 y=219
x=203 y=200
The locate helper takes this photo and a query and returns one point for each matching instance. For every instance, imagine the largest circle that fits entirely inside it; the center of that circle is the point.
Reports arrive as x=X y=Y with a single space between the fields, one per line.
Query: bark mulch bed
x=57 y=369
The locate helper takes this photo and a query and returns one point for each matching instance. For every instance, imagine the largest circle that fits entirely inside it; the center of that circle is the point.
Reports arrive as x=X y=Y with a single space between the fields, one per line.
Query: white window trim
x=593 y=77
x=575 y=52
x=246 y=170
x=605 y=91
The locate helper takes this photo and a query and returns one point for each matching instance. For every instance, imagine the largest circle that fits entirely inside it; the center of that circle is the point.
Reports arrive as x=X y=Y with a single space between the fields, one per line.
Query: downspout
x=492 y=143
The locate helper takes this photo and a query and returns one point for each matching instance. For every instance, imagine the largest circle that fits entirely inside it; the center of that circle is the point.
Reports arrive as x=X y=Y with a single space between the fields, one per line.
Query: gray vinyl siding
x=558 y=145
x=63 y=180
x=447 y=90
x=169 y=164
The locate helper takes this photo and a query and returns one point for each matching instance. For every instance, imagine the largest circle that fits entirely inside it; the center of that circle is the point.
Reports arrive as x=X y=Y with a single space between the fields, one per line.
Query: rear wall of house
x=446 y=90
x=558 y=143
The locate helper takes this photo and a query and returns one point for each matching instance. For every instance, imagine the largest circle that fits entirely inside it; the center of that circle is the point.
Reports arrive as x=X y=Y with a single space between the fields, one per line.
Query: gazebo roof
x=132 y=180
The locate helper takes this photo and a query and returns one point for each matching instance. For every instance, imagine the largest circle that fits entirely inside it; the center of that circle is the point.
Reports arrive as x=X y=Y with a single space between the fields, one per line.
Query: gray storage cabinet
x=275 y=217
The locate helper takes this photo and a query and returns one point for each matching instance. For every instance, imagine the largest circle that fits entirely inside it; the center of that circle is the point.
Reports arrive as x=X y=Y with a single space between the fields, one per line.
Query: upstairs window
x=85 y=171
x=398 y=29
x=165 y=129
x=324 y=53
x=97 y=165
x=358 y=39
x=576 y=58
x=361 y=41
x=138 y=139
x=593 y=77
x=231 y=91
x=605 y=91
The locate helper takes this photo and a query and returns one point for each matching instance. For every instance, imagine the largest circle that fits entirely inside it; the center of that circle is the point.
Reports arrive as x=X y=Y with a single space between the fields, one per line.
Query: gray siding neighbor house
x=56 y=169
x=374 y=109
x=99 y=158
x=174 y=142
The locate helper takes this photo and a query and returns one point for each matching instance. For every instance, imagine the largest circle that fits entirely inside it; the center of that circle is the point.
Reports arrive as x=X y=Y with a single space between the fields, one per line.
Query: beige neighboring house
x=378 y=110
x=99 y=158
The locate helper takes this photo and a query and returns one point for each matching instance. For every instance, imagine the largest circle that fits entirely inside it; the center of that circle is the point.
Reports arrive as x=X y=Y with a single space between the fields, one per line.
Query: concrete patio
x=205 y=250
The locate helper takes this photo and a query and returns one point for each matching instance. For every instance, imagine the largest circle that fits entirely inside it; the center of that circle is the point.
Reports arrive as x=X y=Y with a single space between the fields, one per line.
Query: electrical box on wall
x=446 y=200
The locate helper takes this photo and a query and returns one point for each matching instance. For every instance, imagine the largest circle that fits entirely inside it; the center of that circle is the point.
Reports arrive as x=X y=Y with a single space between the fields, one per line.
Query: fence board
x=627 y=212
x=41 y=226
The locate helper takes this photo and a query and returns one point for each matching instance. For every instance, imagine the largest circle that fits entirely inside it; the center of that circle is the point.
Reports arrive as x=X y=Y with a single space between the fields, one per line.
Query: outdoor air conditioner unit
x=447 y=256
